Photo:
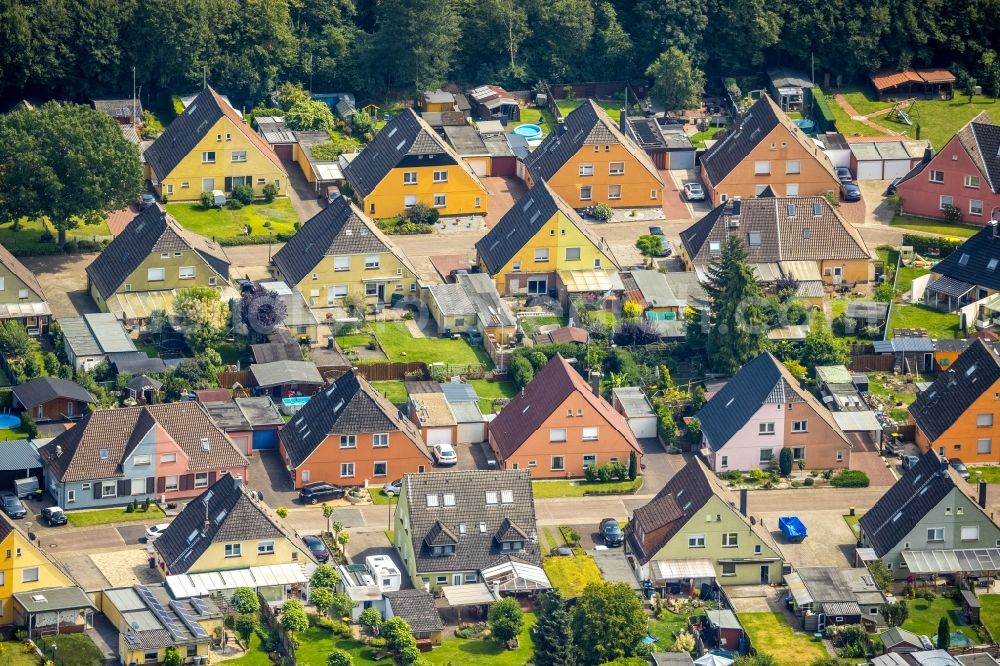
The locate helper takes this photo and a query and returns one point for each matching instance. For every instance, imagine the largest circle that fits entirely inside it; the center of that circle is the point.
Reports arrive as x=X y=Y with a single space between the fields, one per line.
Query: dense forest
x=79 y=49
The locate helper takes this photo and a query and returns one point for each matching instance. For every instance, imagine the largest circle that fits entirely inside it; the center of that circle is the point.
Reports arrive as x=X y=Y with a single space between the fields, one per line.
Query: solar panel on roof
x=189 y=622
x=161 y=614
x=199 y=605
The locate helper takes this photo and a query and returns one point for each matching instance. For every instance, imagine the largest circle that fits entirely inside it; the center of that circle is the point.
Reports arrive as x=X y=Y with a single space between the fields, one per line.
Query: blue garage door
x=265 y=439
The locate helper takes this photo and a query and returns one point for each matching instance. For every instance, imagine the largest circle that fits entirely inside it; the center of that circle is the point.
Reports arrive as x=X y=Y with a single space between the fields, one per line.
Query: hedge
x=822 y=113
x=850 y=478
x=930 y=244
x=231 y=241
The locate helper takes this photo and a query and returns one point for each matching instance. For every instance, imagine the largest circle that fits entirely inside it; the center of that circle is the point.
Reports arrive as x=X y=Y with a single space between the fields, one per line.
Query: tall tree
x=742 y=30
x=738 y=330
x=15 y=45
x=557 y=52
x=551 y=633
x=418 y=38
x=489 y=28
x=656 y=25
x=505 y=619
x=324 y=31
x=677 y=83
x=168 y=41
x=66 y=162
x=820 y=347
x=611 y=48
x=608 y=623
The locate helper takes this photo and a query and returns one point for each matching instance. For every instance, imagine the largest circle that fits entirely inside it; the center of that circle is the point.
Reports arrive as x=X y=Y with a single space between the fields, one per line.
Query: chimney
x=595 y=383
x=560 y=125
x=982 y=493
x=928 y=155
x=58 y=451
x=993 y=228
x=743 y=501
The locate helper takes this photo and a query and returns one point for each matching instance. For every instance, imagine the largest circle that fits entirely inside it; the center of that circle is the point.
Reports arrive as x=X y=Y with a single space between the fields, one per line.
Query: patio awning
x=840 y=608
x=669 y=570
x=973 y=560
x=515 y=576
x=798 y=589
x=948 y=286
x=183 y=586
x=477 y=594
x=53 y=599
x=865 y=421
x=993 y=303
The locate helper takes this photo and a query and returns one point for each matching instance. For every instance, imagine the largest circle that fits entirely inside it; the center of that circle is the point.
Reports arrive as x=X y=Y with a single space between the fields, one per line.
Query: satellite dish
x=135 y=626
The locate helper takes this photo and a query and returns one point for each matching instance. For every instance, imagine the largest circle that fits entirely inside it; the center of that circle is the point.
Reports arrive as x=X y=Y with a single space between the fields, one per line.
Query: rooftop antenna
x=204 y=77
x=134 y=100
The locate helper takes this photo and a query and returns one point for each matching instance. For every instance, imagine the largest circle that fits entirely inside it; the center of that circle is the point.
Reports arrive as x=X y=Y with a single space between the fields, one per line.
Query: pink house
x=965 y=174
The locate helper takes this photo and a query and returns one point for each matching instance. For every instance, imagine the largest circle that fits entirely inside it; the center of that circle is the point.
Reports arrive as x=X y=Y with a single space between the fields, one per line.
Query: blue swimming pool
x=8 y=421
x=292 y=405
x=529 y=132
x=806 y=125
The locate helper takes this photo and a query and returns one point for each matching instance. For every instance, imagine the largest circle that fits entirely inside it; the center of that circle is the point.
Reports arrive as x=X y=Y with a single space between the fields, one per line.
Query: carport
x=271 y=581
x=54 y=610
x=475 y=595
x=681 y=576
x=19 y=459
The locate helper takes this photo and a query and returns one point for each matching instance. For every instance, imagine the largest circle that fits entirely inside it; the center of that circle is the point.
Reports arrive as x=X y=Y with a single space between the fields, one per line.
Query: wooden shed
x=970 y=607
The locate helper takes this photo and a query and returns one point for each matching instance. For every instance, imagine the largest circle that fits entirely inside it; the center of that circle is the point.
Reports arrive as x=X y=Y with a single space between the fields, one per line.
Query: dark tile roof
x=75 y=455
x=349 y=406
x=187 y=129
x=21 y=271
x=475 y=549
x=232 y=516
x=777 y=229
x=981 y=139
x=543 y=395
x=40 y=390
x=954 y=391
x=439 y=535
x=897 y=512
x=142 y=382
x=136 y=362
x=417 y=608
x=971 y=261
x=152 y=231
x=339 y=229
x=276 y=351
x=587 y=124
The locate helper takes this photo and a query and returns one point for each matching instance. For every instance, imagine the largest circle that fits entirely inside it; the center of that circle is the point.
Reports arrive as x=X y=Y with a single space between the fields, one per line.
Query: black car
x=12 y=506
x=53 y=515
x=844 y=175
x=316 y=547
x=850 y=192
x=611 y=531
x=320 y=492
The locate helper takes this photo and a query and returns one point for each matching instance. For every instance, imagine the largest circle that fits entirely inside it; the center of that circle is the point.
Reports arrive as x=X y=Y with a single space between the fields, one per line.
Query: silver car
x=694 y=192
x=445 y=455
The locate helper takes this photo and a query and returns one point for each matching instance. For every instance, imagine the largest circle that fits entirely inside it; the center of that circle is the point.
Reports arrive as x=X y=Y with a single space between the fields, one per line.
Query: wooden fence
x=230 y=378
x=376 y=371
x=871 y=363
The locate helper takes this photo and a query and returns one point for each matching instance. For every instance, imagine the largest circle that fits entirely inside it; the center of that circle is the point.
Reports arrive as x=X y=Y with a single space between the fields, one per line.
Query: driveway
x=874 y=466
x=877 y=209
x=64 y=279
x=830 y=542
x=658 y=465
x=269 y=476
x=302 y=193
x=503 y=192
x=674 y=205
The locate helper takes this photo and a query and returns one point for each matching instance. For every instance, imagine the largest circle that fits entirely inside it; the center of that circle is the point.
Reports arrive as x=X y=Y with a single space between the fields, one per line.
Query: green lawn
x=489 y=390
x=233 y=353
x=891 y=394
x=27 y=241
x=348 y=342
x=399 y=345
x=925 y=615
x=394 y=390
x=316 y=643
x=847 y=125
x=567 y=488
x=938 y=324
x=477 y=651
x=254 y=656
x=226 y=223
x=530 y=325
x=904 y=281
x=534 y=116
x=14 y=654
x=988 y=473
x=73 y=650
x=613 y=107
x=106 y=516
x=12 y=433
x=852 y=522
x=935 y=226
x=668 y=624
x=989 y=615
x=570 y=575
x=771 y=634
x=698 y=138
x=862 y=103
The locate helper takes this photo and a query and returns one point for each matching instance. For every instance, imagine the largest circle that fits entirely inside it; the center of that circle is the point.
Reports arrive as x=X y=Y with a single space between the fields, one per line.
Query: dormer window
x=442 y=551
x=512 y=546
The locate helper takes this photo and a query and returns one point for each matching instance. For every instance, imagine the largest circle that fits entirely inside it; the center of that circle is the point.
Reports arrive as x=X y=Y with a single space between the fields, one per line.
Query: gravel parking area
x=126 y=567
x=830 y=541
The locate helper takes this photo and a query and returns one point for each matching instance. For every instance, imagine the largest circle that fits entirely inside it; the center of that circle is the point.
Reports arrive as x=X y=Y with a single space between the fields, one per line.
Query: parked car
x=694 y=192
x=146 y=200
x=658 y=231
x=910 y=461
x=844 y=175
x=53 y=515
x=444 y=455
x=392 y=488
x=320 y=492
x=850 y=192
x=316 y=547
x=959 y=467
x=611 y=532
x=12 y=506
x=153 y=532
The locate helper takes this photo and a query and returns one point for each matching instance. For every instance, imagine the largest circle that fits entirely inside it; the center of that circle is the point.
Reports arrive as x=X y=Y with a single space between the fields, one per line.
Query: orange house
x=959 y=415
x=349 y=435
x=587 y=160
x=766 y=148
x=557 y=427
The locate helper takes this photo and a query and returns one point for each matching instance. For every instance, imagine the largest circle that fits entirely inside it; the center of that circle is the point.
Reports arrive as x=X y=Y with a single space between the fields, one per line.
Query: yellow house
x=338 y=253
x=240 y=532
x=21 y=297
x=587 y=160
x=23 y=568
x=211 y=147
x=408 y=163
x=538 y=237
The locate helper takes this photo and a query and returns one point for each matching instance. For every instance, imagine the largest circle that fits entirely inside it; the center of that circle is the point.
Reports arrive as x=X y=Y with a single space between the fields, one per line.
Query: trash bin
x=329 y=342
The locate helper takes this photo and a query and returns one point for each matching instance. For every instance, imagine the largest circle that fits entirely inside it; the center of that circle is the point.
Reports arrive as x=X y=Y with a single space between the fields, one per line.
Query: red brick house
x=965 y=174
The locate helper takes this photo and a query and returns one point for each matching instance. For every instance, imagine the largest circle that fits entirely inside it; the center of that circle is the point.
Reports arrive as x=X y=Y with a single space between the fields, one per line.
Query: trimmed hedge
x=232 y=241
x=850 y=478
x=930 y=244
x=822 y=113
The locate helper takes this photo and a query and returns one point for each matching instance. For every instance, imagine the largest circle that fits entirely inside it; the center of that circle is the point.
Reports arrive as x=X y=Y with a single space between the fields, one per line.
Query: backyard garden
x=263 y=219
x=28 y=237
x=770 y=633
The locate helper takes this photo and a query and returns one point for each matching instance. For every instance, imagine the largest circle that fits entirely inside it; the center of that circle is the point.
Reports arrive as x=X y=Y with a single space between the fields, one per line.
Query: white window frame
x=586 y=193
x=696 y=541
x=793 y=166
x=201 y=480
x=562 y=465
x=205 y=157
x=586 y=170
x=348 y=441
x=730 y=539
x=186 y=273
x=347 y=470
x=984 y=420
x=616 y=168
x=974 y=209
x=410 y=200
x=945 y=200
x=265 y=547
x=385 y=468
x=105 y=485
x=800 y=426
x=936 y=176
x=341 y=264
x=409 y=178
x=440 y=200
x=614 y=192
x=591 y=434
x=380 y=440
x=26 y=574
x=932 y=533
x=765 y=428
x=972 y=182
x=541 y=255
x=558 y=435
x=239 y=156
x=373 y=262
x=70 y=499
x=152 y=272
x=969 y=533
x=171 y=483
x=984 y=445
x=762 y=168
x=233 y=550
x=440 y=176
x=575 y=250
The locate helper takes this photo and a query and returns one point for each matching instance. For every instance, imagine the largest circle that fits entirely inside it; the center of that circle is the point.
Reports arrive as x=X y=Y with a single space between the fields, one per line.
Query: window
x=261 y=181
x=714 y=248
x=341 y=264
x=792 y=190
x=139 y=461
x=766 y=455
x=542 y=254
x=590 y=434
x=586 y=169
x=515 y=267
x=170 y=189
x=346 y=470
x=935 y=534
x=760 y=189
x=348 y=441
x=730 y=540
x=762 y=168
x=976 y=207
x=589 y=459
x=440 y=176
x=207 y=184
x=724 y=462
x=409 y=178
x=614 y=191
x=972 y=181
x=585 y=193
x=380 y=468
x=478 y=202
x=380 y=440
x=937 y=176
x=757 y=549
x=208 y=157
x=410 y=200
x=558 y=463
x=170 y=483
x=984 y=445
x=800 y=426
x=766 y=428
x=696 y=541
x=233 y=549
x=109 y=489
x=155 y=274
x=984 y=420
x=792 y=166
x=946 y=200
x=538 y=285
x=265 y=548
x=572 y=254
x=372 y=262
x=440 y=201
x=799 y=453
x=616 y=168
x=654 y=195
x=186 y=272
x=471 y=578
x=201 y=480
x=728 y=568
x=970 y=533
x=840 y=456
x=70 y=499
x=138 y=486
x=239 y=156
x=557 y=434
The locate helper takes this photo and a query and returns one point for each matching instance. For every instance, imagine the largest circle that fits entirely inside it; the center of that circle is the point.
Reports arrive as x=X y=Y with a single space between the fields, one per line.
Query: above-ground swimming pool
x=8 y=421
x=291 y=405
x=529 y=132
x=806 y=125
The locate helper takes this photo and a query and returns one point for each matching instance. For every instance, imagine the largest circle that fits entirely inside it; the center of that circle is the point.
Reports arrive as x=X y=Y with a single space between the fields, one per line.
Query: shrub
x=932 y=245
x=338 y=657
x=282 y=512
x=172 y=657
x=245 y=624
x=28 y=425
x=207 y=200
x=270 y=191
x=603 y=212
x=243 y=194
x=234 y=204
x=245 y=600
x=850 y=478
x=421 y=213
x=953 y=214
x=809 y=481
x=785 y=461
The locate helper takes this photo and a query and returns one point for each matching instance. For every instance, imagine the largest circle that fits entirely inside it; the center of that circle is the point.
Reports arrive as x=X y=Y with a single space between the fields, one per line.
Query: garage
x=265 y=439
x=884 y=159
x=631 y=402
x=438 y=436
x=479 y=167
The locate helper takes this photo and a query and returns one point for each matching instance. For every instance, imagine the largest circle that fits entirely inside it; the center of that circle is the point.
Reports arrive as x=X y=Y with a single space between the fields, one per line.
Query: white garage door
x=643 y=426
x=437 y=436
x=896 y=169
x=478 y=166
x=471 y=433
x=870 y=170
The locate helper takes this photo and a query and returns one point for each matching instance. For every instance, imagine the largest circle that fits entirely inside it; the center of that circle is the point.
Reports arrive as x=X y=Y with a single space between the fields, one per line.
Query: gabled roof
x=981 y=139
x=417 y=608
x=349 y=406
x=41 y=390
x=152 y=231
x=11 y=263
x=539 y=400
x=187 y=129
x=758 y=122
x=903 y=506
x=524 y=219
x=683 y=497
x=587 y=124
x=339 y=229
x=223 y=513
x=948 y=399
x=970 y=263
x=764 y=380
x=406 y=135
x=475 y=507
x=96 y=446
x=775 y=229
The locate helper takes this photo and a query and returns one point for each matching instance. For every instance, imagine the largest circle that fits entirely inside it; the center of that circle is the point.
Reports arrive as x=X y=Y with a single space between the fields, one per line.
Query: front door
x=456 y=579
x=381 y=292
x=838 y=274
x=765 y=574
